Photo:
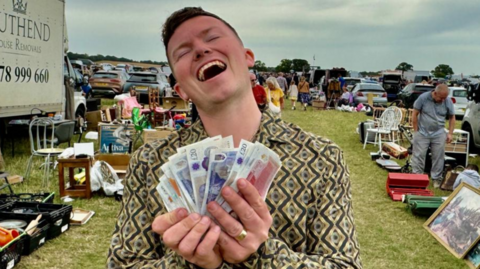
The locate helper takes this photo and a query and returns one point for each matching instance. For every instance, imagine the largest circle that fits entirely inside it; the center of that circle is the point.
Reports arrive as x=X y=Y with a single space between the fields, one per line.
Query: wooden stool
x=74 y=190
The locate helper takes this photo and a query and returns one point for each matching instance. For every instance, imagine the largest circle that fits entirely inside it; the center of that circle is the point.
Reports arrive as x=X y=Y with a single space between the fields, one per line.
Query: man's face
x=209 y=61
x=253 y=80
x=440 y=96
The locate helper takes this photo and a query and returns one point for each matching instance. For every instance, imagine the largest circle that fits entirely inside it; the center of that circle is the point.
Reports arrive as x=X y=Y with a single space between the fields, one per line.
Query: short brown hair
x=183 y=15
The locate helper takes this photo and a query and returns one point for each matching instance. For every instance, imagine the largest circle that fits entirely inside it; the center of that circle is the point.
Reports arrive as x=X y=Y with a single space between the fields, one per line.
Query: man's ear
x=250 y=57
x=180 y=92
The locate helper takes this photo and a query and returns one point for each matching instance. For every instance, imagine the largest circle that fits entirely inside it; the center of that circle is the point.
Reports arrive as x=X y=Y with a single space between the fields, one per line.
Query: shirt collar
x=272 y=130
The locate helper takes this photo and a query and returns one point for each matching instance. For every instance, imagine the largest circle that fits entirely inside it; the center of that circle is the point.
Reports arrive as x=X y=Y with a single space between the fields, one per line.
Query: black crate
x=10 y=255
x=57 y=215
x=31 y=242
x=27 y=197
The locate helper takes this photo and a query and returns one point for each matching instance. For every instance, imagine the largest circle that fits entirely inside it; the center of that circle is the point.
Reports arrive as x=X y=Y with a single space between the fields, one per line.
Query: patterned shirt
x=309 y=200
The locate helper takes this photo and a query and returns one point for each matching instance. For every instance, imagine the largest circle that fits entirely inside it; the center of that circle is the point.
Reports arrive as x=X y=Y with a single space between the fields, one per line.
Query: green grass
x=389 y=236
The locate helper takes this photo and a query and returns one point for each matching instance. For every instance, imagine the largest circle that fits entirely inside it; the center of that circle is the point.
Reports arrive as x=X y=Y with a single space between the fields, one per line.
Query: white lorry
x=33 y=62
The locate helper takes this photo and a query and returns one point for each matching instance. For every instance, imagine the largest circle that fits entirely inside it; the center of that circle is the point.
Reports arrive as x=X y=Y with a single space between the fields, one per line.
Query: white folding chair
x=382 y=127
x=42 y=136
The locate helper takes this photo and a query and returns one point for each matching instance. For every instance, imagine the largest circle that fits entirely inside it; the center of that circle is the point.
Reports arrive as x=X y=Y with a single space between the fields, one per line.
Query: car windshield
x=424 y=88
x=105 y=75
x=352 y=81
x=460 y=93
x=142 y=78
x=371 y=87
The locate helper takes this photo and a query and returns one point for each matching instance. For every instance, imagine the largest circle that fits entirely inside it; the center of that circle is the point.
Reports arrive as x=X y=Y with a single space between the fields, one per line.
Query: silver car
x=459 y=99
x=362 y=90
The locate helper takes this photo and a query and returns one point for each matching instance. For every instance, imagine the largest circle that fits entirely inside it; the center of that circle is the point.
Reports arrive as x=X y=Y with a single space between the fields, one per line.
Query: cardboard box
x=93 y=119
x=179 y=103
x=116 y=138
x=119 y=162
x=318 y=104
x=150 y=135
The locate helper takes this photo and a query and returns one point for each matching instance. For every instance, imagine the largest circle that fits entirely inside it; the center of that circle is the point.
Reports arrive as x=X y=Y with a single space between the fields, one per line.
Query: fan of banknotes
x=196 y=175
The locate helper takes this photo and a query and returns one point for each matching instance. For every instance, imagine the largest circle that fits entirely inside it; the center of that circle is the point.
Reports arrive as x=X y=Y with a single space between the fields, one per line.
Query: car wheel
x=471 y=148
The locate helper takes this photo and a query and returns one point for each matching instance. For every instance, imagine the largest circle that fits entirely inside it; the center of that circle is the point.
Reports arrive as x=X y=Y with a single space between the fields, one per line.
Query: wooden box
x=316 y=104
x=400 y=184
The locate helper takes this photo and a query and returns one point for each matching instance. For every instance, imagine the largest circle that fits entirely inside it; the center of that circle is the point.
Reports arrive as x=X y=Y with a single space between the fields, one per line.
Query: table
x=74 y=190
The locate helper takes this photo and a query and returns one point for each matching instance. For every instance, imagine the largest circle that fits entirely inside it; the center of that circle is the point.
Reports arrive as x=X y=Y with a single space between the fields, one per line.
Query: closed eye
x=212 y=38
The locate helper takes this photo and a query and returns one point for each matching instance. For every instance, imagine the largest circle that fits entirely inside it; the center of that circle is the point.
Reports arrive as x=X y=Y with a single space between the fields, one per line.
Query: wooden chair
x=157 y=113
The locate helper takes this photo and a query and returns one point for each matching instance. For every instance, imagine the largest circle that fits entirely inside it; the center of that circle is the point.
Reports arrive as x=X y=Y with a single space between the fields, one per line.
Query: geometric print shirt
x=309 y=200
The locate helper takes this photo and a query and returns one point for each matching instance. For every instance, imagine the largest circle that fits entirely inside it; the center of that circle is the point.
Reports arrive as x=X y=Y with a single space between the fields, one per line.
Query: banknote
x=227 y=142
x=262 y=167
x=169 y=194
x=237 y=166
x=221 y=162
x=182 y=191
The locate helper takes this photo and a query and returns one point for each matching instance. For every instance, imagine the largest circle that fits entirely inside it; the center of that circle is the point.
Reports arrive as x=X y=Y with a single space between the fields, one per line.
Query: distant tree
x=475 y=76
x=403 y=66
x=284 y=66
x=300 y=65
x=370 y=73
x=442 y=70
x=260 y=66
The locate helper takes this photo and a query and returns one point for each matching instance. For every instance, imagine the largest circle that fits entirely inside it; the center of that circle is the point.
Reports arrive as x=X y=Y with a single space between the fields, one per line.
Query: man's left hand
x=253 y=214
x=449 y=138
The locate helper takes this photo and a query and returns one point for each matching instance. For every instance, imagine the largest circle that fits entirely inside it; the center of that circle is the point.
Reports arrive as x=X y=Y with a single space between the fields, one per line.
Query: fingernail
x=182 y=213
x=205 y=220
x=195 y=216
x=212 y=206
x=216 y=229
x=242 y=183
x=227 y=191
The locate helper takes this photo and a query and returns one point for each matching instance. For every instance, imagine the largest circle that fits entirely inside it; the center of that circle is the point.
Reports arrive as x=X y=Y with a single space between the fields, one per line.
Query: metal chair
x=41 y=132
x=64 y=133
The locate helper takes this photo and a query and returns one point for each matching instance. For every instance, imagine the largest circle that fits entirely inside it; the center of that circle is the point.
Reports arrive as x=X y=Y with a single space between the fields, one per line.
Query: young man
x=258 y=92
x=306 y=220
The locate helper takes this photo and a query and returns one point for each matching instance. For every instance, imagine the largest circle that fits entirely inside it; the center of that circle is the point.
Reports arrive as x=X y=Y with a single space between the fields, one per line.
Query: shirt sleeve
x=330 y=232
x=418 y=105
x=134 y=244
x=450 y=108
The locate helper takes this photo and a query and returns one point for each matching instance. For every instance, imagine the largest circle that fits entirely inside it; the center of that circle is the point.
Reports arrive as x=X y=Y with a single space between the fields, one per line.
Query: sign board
x=116 y=138
x=31 y=56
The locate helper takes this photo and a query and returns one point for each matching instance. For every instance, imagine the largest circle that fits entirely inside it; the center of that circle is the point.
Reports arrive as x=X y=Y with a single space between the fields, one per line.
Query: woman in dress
x=293 y=93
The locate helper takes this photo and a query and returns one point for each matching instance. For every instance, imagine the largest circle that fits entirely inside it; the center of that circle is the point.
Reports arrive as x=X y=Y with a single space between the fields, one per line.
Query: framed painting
x=456 y=223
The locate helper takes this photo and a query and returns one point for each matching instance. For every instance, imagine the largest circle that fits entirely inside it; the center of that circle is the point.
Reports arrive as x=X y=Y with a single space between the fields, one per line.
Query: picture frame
x=473 y=257
x=455 y=222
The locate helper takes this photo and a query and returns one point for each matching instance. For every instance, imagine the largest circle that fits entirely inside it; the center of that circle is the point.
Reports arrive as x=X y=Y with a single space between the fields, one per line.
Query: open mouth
x=210 y=70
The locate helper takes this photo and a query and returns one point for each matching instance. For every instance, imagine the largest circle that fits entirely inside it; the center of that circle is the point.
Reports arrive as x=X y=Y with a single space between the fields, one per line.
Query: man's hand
x=252 y=212
x=449 y=138
x=190 y=237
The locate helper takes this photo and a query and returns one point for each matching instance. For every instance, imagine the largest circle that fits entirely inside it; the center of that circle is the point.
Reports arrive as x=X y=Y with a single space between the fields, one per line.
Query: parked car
x=108 y=83
x=351 y=82
x=392 y=84
x=361 y=90
x=471 y=119
x=142 y=80
x=412 y=91
x=459 y=99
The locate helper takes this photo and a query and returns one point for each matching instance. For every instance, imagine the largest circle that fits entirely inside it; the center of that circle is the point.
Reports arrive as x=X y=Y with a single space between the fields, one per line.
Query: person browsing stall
x=429 y=113
x=306 y=220
x=258 y=92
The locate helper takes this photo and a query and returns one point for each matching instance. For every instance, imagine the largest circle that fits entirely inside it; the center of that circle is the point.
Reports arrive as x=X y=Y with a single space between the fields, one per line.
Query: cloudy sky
x=358 y=35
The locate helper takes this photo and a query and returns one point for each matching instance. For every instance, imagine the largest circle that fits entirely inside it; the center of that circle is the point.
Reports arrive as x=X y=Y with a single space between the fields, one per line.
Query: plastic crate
x=31 y=242
x=10 y=254
x=27 y=197
x=57 y=215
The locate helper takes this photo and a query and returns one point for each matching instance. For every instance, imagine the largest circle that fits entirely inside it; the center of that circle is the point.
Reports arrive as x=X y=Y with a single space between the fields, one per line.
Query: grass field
x=390 y=237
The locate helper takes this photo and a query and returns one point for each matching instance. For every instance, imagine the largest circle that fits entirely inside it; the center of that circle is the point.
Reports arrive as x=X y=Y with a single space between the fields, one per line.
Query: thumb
x=165 y=221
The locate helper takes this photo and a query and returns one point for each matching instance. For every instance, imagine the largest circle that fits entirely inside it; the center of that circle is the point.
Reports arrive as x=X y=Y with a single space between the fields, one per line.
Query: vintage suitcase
x=400 y=184
x=362 y=131
x=395 y=150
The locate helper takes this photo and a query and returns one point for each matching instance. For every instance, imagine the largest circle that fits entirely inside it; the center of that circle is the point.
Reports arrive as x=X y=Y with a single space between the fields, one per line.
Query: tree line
x=99 y=57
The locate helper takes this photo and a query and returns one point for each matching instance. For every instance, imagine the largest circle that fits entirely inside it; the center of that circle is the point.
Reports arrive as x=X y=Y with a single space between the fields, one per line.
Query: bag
x=450 y=177
x=362 y=131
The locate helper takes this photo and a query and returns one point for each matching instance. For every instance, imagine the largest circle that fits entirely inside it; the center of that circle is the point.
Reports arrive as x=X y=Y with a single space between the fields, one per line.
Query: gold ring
x=241 y=236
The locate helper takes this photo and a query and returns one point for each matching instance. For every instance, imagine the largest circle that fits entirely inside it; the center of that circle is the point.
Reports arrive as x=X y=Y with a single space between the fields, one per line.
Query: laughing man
x=306 y=220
